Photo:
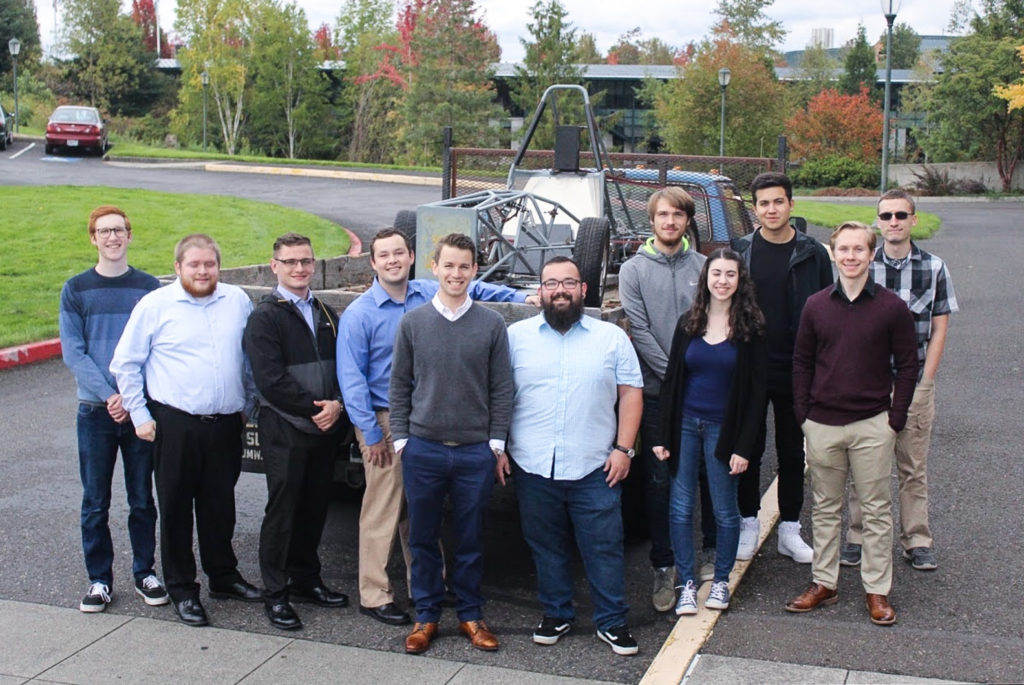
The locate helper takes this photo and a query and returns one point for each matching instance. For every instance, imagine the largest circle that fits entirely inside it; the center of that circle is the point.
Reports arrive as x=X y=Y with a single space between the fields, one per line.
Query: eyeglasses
x=886 y=216
x=567 y=283
x=107 y=232
x=292 y=263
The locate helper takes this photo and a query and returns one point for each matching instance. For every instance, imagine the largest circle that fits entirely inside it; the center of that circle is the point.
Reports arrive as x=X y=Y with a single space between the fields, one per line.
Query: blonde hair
x=851 y=225
x=200 y=240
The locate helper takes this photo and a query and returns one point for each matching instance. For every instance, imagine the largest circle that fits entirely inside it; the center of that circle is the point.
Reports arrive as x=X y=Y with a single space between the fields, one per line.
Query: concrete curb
x=29 y=353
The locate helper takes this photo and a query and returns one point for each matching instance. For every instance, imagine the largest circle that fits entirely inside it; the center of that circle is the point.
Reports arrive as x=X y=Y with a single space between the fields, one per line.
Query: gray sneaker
x=921 y=558
x=849 y=555
x=718 y=597
x=664 y=595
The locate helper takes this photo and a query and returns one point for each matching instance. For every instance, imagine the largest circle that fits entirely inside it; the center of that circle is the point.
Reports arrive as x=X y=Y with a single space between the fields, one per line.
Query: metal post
x=723 y=80
x=205 y=76
x=446 y=164
x=890 y=17
x=14 y=46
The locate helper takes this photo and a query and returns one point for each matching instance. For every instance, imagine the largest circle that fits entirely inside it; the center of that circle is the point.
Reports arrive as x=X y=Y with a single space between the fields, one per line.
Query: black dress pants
x=299 y=469
x=196 y=462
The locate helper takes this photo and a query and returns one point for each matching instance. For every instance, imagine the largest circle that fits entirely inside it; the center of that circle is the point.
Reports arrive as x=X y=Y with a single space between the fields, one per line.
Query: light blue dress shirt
x=563 y=417
x=366 y=342
x=305 y=306
x=186 y=353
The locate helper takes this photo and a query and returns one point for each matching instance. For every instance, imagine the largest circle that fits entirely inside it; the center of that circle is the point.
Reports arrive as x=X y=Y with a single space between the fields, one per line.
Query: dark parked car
x=76 y=127
x=6 y=128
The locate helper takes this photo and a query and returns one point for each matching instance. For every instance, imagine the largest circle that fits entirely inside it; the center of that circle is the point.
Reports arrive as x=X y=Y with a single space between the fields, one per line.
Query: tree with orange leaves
x=837 y=124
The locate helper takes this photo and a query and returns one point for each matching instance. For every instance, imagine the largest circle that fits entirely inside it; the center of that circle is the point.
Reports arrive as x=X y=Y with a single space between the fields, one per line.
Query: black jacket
x=291 y=367
x=810 y=270
x=744 y=413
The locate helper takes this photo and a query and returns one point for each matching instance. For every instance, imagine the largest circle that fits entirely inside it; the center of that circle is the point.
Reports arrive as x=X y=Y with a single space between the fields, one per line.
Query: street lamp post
x=723 y=80
x=205 y=76
x=14 y=46
x=889 y=10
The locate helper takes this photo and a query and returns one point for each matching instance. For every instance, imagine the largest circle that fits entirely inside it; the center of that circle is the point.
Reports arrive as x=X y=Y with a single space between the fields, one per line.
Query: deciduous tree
x=745 y=22
x=837 y=124
x=586 y=50
x=816 y=74
x=1013 y=93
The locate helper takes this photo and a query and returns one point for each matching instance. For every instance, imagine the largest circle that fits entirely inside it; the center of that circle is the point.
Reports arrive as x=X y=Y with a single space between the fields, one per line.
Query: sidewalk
x=55 y=644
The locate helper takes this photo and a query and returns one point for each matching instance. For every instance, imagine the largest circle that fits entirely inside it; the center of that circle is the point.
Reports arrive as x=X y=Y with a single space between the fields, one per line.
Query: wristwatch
x=630 y=452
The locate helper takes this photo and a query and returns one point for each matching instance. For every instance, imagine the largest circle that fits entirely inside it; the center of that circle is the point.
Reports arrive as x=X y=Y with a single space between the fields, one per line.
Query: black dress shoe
x=282 y=615
x=387 y=613
x=319 y=595
x=240 y=590
x=191 y=612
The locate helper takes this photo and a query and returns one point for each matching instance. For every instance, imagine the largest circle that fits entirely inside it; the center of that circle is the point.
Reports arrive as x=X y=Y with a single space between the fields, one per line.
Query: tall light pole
x=889 y=10
x=205 y=76
x=14 y=46
x=723 y=80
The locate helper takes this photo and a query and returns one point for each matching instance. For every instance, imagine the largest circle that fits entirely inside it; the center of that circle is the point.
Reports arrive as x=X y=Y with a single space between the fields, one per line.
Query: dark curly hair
x=745 y=317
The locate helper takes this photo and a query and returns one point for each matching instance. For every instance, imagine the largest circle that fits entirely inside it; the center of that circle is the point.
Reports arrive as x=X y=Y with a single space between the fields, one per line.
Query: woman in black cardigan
x=712 y=403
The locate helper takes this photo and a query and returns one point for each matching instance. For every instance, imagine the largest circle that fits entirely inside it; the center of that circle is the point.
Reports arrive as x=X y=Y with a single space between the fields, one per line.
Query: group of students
x=434 y=387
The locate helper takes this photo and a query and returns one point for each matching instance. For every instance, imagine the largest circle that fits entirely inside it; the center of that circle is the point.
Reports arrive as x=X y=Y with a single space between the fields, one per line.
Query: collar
x=380 y=296
x=585 y=322
x=837 y=289
x=292 y=297
x=913 y=256
x=447 y=313
x=182 y=295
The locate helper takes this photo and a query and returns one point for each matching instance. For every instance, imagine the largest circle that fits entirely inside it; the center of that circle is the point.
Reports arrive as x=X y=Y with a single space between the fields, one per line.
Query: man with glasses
x=657 y=286
x=291 y=341
x=922 y=281
x=570 y=452
x=94 y=308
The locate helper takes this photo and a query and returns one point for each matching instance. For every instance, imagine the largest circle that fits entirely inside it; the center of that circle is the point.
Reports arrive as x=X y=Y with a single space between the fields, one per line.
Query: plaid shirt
x=924 y=284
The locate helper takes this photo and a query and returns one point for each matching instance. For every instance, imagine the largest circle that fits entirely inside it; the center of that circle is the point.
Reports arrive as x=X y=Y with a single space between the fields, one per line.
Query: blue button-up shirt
x=563 y=417
x=304 y=305
x=366 y=341
x=186 y=353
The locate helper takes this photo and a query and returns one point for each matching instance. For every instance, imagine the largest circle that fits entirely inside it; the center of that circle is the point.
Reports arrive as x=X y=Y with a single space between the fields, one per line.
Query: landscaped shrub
x=836 y=171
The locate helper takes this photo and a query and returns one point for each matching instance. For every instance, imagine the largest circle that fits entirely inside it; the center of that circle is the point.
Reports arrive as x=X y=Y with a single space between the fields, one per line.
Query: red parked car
x=72 y=126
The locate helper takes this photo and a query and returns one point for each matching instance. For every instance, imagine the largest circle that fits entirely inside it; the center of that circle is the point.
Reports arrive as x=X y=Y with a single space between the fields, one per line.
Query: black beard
x=563 y=319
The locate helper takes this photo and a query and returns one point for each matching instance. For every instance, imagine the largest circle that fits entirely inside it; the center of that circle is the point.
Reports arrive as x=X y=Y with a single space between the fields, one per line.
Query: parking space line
x=691 y=632
x=21 y=152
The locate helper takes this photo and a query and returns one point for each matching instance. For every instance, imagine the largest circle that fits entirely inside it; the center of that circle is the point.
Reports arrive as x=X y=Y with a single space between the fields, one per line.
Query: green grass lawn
x=45 y=230
x=831 y=215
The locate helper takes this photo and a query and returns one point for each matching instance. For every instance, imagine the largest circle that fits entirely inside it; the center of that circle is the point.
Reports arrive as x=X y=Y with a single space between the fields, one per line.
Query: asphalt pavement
x=960 y=623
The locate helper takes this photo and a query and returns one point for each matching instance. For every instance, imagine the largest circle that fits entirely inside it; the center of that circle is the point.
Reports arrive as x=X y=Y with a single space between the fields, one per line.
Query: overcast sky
x=676 y=22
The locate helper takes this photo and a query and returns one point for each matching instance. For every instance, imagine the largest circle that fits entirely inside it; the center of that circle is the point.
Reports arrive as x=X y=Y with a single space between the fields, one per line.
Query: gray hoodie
x=656 y=289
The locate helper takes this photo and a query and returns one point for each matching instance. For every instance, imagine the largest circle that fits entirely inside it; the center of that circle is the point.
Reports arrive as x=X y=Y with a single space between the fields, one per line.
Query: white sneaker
x=750 y=532
x=687 y=604
x=792 y=545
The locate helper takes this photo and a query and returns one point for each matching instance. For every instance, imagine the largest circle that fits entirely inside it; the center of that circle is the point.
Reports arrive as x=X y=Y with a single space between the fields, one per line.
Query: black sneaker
x=921 y=558
x=96 y=599
x=151 y=590
x=550 y=629
x=620 y=640
x=849 y=555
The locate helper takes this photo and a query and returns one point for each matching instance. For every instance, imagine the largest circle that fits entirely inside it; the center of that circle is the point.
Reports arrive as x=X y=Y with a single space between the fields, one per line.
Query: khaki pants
x=382 y=515
x=912 y=445
x=863 y=449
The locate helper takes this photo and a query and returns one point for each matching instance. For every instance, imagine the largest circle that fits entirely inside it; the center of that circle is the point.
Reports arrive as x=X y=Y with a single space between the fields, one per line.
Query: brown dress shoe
x=880 y=611
x=479 y=635
x=812 y=598
x=418 y=641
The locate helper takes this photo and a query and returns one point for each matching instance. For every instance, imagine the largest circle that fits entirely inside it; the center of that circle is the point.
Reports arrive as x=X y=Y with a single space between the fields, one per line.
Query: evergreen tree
x=859 y=66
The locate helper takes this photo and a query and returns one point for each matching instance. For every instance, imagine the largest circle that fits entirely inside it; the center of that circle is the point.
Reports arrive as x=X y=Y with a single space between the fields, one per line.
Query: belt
x=205 y=418
x=451 y=443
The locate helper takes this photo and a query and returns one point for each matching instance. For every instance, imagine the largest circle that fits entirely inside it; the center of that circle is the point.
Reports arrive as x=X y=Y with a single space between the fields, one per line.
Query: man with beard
x=570 y=452
x=187 y=386
x=657 y=286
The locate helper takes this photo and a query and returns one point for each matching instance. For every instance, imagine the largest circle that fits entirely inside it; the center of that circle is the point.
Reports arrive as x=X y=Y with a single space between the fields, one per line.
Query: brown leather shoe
x=812 y=598
x=880 y=611
x=479 y=635
x=418 y=641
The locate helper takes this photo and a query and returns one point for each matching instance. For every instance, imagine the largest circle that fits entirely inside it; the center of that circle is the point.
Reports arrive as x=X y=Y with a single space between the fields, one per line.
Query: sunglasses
x=886 y=216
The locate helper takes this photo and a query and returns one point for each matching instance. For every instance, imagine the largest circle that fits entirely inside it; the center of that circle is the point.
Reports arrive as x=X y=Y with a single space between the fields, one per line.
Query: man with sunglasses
x=571 y=451
x=922 y=281
x=291 y=339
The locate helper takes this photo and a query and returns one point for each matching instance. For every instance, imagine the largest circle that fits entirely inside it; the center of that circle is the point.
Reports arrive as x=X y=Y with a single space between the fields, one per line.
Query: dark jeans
x=697 y=446
x=657 y=479
x=789 y=450
x=196 y=464
x=299 y=470
x=465 y=473
x=99 y=438
x=551 y=512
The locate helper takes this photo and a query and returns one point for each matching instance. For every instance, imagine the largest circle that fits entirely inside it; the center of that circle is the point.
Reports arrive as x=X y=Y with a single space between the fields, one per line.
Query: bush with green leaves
x=836 y=170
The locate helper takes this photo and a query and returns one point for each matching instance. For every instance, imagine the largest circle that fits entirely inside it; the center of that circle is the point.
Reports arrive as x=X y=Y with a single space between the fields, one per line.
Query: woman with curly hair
x=712 y=403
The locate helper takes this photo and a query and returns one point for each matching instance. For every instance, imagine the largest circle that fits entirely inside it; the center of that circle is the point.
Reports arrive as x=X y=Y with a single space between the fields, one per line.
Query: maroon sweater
x=841 y=359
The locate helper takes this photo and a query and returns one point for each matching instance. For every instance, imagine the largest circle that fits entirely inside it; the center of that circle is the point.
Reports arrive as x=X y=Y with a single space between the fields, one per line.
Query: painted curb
x=29 y=353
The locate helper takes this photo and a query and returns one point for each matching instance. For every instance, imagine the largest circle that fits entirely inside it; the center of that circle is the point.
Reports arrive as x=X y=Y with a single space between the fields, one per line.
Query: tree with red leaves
x=144 y=15
x=836 y=124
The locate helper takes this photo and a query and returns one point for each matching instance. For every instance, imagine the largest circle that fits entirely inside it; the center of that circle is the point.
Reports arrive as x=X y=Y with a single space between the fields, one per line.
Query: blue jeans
x=551 y=511
x=431 y=470
x=697 y=445
x=99 y=438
